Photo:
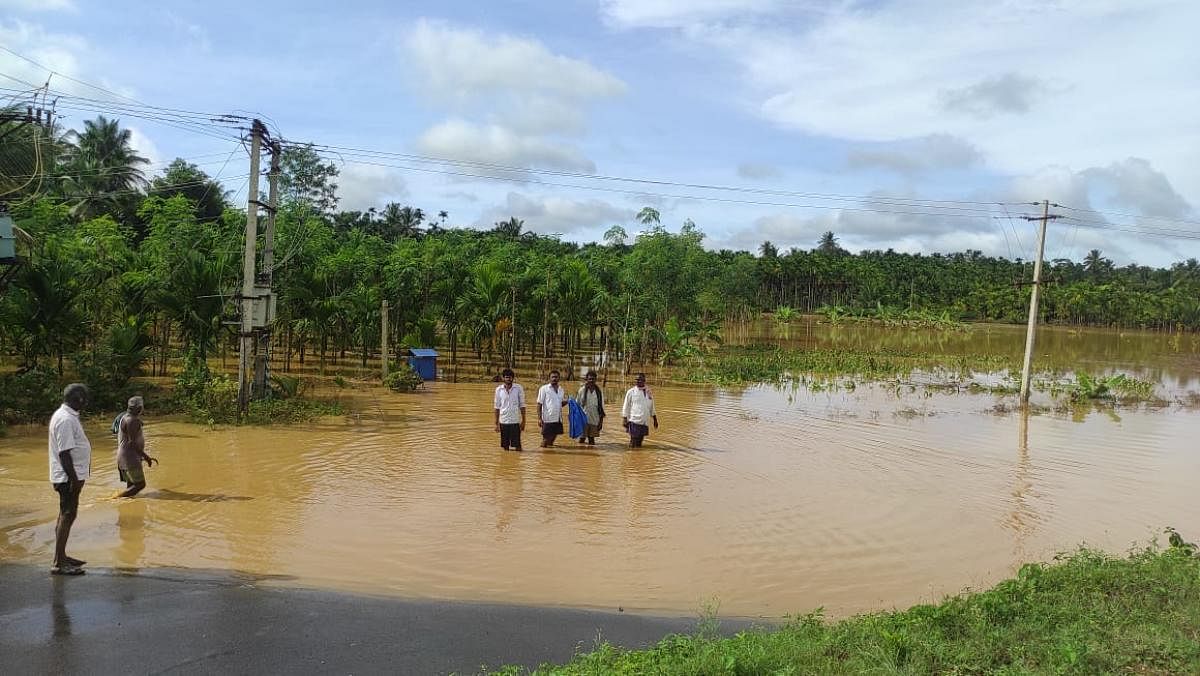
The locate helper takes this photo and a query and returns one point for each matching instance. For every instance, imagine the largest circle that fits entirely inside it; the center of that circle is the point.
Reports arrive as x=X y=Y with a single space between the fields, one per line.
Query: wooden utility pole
x=262 y=363
x=383 y=332
x=246 y=334
x=1031 y=329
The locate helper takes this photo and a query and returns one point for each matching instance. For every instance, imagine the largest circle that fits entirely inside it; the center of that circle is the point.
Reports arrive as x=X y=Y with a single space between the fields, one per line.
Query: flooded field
x=759 y=501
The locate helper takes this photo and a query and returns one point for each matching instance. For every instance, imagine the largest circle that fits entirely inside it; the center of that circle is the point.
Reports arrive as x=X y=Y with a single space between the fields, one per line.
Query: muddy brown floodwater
x=756 y=501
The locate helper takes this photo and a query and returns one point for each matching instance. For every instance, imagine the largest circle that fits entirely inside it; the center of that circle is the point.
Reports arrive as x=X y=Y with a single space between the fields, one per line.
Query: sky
x=918 y=125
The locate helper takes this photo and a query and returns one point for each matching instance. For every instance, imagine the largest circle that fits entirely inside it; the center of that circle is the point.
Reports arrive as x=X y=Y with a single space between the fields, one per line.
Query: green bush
x=269 y=411
x=29 y=396
x=403 y=379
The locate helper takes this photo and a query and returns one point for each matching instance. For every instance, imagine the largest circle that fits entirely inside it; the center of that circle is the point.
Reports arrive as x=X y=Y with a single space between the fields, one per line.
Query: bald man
x=131 y=449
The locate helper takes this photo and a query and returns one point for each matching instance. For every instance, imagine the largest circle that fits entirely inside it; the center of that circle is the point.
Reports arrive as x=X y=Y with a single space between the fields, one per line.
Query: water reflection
x=1023 y=518
x=60 y=614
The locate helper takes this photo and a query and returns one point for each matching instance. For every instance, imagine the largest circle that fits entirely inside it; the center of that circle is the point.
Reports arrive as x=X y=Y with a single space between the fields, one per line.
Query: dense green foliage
x=403 y=379
x=127 y=273
x=1088 y=613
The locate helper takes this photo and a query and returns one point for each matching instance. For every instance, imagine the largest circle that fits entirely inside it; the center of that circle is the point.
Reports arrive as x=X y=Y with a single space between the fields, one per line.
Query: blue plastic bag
x=576 y=418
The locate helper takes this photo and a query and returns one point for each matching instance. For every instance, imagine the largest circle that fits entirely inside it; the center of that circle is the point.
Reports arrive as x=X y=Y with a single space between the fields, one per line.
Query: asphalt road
x=167 y=621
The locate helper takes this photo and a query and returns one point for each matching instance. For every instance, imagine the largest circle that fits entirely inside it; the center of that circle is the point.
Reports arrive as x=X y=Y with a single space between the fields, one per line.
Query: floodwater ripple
x=766 y=501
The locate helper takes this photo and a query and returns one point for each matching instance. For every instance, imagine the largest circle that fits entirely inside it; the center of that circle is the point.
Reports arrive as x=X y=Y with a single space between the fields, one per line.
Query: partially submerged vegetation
x=1118 y=387
x=1085 y=613
x=907 y=372
x=213 y=399
x=767 y=364
x=403 y=379
x=892 y=316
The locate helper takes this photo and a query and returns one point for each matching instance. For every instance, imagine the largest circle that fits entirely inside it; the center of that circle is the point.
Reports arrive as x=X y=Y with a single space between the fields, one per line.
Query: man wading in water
x=131 y=450
x=638 y=410
x=510 y=411
x=551 y=399
x=591 y=399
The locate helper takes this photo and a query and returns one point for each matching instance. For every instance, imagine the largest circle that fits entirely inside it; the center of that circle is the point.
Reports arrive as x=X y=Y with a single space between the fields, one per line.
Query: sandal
x=66 y=570
x=72 y=561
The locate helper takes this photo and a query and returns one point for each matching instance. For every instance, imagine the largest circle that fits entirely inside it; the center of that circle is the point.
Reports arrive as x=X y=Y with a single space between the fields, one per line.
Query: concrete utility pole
x=383 y=332
x=262 y=363
x=246 y=334
x=1031 y=329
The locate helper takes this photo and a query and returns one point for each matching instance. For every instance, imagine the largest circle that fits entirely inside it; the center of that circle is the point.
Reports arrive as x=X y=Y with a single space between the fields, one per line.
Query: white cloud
x=758 y=170
x=56 y=51
x=927 y=153
x=495 y=144
x=466 y=64
x=551 y=214
x=1135 y=184
x=39 y=5
x=679 y=13
x=362 y=186
x=196 y=34
x=1000 y=76
x=511 y=100
x=144 y=146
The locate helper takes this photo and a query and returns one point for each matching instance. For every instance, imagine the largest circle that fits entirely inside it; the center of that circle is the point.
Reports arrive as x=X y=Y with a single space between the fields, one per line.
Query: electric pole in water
x=1031 y=329
x=246 y=330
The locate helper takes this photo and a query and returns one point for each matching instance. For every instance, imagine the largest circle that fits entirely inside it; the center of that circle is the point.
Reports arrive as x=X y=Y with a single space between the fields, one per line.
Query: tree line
x=126 y=271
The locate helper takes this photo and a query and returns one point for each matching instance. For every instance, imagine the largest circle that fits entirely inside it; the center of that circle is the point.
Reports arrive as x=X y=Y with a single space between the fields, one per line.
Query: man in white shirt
x=510 y=411
x=637 y=411
x=70 y=466
x=551 y=399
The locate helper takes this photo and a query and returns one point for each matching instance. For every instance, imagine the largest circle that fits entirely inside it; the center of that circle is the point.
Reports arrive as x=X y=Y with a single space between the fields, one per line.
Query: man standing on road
x=70 y=466
x=551 y=399
x=131 y=450
x=510 y=411
x=637 y=411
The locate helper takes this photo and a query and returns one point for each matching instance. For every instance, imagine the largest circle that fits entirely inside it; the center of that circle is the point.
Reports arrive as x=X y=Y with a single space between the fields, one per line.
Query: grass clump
x=1086 y=613
x=893 y=317
x=1115 y=388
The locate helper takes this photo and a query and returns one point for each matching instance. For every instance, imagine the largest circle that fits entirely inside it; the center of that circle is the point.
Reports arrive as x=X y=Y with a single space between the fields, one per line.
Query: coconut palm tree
x=828 y=244
x=649 y=215
x=510 y=228
x=1096 y=264
x=100 y=168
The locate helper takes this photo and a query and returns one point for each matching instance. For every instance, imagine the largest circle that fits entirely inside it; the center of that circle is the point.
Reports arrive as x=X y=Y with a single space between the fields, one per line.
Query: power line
x=1182 y=221
x=339 y=151
x=152 y=166
x=1149 y=233
x=706 y=198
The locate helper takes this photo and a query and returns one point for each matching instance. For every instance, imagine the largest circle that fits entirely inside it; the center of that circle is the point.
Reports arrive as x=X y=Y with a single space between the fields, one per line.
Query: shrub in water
x=403 y=379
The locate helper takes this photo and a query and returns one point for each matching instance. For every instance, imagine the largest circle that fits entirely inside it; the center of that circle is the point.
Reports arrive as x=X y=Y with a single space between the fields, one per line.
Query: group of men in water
x=71 y=451
x=637 y=410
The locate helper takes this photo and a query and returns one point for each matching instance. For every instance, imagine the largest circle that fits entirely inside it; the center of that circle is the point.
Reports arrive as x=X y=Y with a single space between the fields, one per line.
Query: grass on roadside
x=1086 y=613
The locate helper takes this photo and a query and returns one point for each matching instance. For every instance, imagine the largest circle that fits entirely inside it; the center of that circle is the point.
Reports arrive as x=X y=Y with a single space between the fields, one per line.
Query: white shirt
x=551 y=401
x=66 y=433
x=509 y=403
x=638 y=406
